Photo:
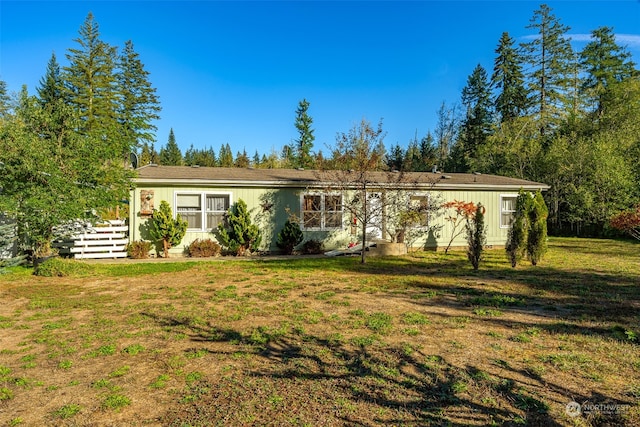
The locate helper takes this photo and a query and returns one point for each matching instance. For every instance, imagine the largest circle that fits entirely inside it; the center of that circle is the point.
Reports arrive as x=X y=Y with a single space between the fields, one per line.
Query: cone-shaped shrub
x=164 y=227
x=476 y=237
x=289 y=237
x=517 y=238
x=537 y=238
x=237 y=233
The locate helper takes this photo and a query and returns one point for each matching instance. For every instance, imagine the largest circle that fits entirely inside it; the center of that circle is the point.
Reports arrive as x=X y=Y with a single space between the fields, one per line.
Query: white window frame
x=502 y=211
x=322 y=211
x=203 y=205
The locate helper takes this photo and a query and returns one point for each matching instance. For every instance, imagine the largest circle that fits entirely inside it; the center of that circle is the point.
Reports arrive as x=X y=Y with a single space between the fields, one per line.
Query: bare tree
x=380 y=203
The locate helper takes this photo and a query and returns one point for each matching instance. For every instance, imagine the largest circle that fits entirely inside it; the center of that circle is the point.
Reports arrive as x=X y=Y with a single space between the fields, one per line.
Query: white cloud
x=630 y=40
x=580 y=37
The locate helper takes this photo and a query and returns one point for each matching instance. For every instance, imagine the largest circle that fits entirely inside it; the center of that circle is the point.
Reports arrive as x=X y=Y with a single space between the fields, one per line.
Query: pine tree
x=476 y=237
x=91 y=86
x=508 y=78
x=170 y=155
x=289 y=237
x=537 y=235
x=225 y=156
x=5 y=100
x=395 y=159
x=606 y=64
x=302 y=157
x=550 y=58
x=256 y=159
x=237 y=233
x=51 y=85
x=51 y=97
x=428 y=153
x=516 y=245
x=474 y=129
x=139 y=106
x=145 y=156
x=242 y=159
x=411 y=156
x=163 y=227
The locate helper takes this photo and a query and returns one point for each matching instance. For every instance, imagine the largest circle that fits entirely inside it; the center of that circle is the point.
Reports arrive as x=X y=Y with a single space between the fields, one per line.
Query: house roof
x=250 y=177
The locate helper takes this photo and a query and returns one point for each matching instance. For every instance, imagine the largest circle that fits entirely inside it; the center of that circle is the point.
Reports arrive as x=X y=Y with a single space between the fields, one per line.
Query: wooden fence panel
x=107 y=240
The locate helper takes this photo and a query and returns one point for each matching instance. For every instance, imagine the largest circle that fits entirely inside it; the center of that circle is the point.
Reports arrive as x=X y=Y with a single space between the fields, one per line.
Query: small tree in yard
x=517 y=238
x=476 y=236
x=164 y=227
x=537 y=238
x=289 y=237
x=238 y=234
x=462 y=213
x=628 y=222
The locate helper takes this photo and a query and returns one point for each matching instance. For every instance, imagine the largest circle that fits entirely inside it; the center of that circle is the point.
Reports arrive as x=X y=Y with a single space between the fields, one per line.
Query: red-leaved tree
x=628 y=222
x=458 y=212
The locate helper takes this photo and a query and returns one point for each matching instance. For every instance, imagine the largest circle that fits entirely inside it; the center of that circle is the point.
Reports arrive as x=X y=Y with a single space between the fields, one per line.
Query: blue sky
x=234 y=72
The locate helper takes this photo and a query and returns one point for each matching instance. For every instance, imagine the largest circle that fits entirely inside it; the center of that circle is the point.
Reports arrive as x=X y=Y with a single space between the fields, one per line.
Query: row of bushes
x=202 y=248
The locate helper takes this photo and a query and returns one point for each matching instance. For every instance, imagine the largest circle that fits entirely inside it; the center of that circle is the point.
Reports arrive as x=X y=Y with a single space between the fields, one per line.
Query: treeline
x=543 y=112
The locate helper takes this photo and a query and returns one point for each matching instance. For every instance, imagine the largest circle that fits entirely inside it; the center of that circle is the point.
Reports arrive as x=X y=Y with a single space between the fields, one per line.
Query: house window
x=321 y=211
x=507 y=209
x=419 y=209
x=202 y=211
x=189 y=207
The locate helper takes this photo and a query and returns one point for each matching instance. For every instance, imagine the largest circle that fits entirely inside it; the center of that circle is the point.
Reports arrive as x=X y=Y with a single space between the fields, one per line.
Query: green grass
x=67 y=411
x=415 y=340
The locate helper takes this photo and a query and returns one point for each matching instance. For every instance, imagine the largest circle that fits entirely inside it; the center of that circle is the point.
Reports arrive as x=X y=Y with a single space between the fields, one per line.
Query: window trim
x=322 y=211
x=203 y=205
x=426 y=196
x=501 y=211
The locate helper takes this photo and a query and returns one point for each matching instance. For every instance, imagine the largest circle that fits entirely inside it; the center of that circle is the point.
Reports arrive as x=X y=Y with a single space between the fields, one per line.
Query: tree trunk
x=165 y=247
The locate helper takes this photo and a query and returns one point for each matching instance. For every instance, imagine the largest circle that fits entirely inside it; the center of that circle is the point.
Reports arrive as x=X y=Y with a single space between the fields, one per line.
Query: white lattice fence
x=108 y=240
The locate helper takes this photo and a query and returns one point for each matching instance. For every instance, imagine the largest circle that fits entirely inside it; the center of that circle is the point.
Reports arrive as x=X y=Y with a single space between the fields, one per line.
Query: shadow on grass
x=573 y=292
x=317 y=381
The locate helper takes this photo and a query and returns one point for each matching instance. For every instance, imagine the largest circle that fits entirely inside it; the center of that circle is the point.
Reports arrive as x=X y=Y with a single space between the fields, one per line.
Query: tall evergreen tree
x=144 y=156
x=395 y=160
x=5 y=100
x=51 y=85
x=411 y=162
x=516 y=245
x=428 y=153
x=474 y=129
x=225 y=156
x=91 y=86
x=242 y=160
x=256 y=159
x=508 y=80
x=537 y=234
x=606 y=63
x=550 y=58
x=51 y=97
x=139 y=104
x=170 y=155
x=304 y=143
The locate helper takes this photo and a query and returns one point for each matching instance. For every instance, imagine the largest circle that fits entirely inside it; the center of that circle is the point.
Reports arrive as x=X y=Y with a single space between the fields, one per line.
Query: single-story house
x=202 y=196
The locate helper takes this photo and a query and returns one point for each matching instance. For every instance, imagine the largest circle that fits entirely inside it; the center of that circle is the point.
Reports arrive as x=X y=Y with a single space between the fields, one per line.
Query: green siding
x=270 y=207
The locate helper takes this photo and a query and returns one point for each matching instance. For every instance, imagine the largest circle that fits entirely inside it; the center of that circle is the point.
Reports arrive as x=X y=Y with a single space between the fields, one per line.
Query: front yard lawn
x=415 y=340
